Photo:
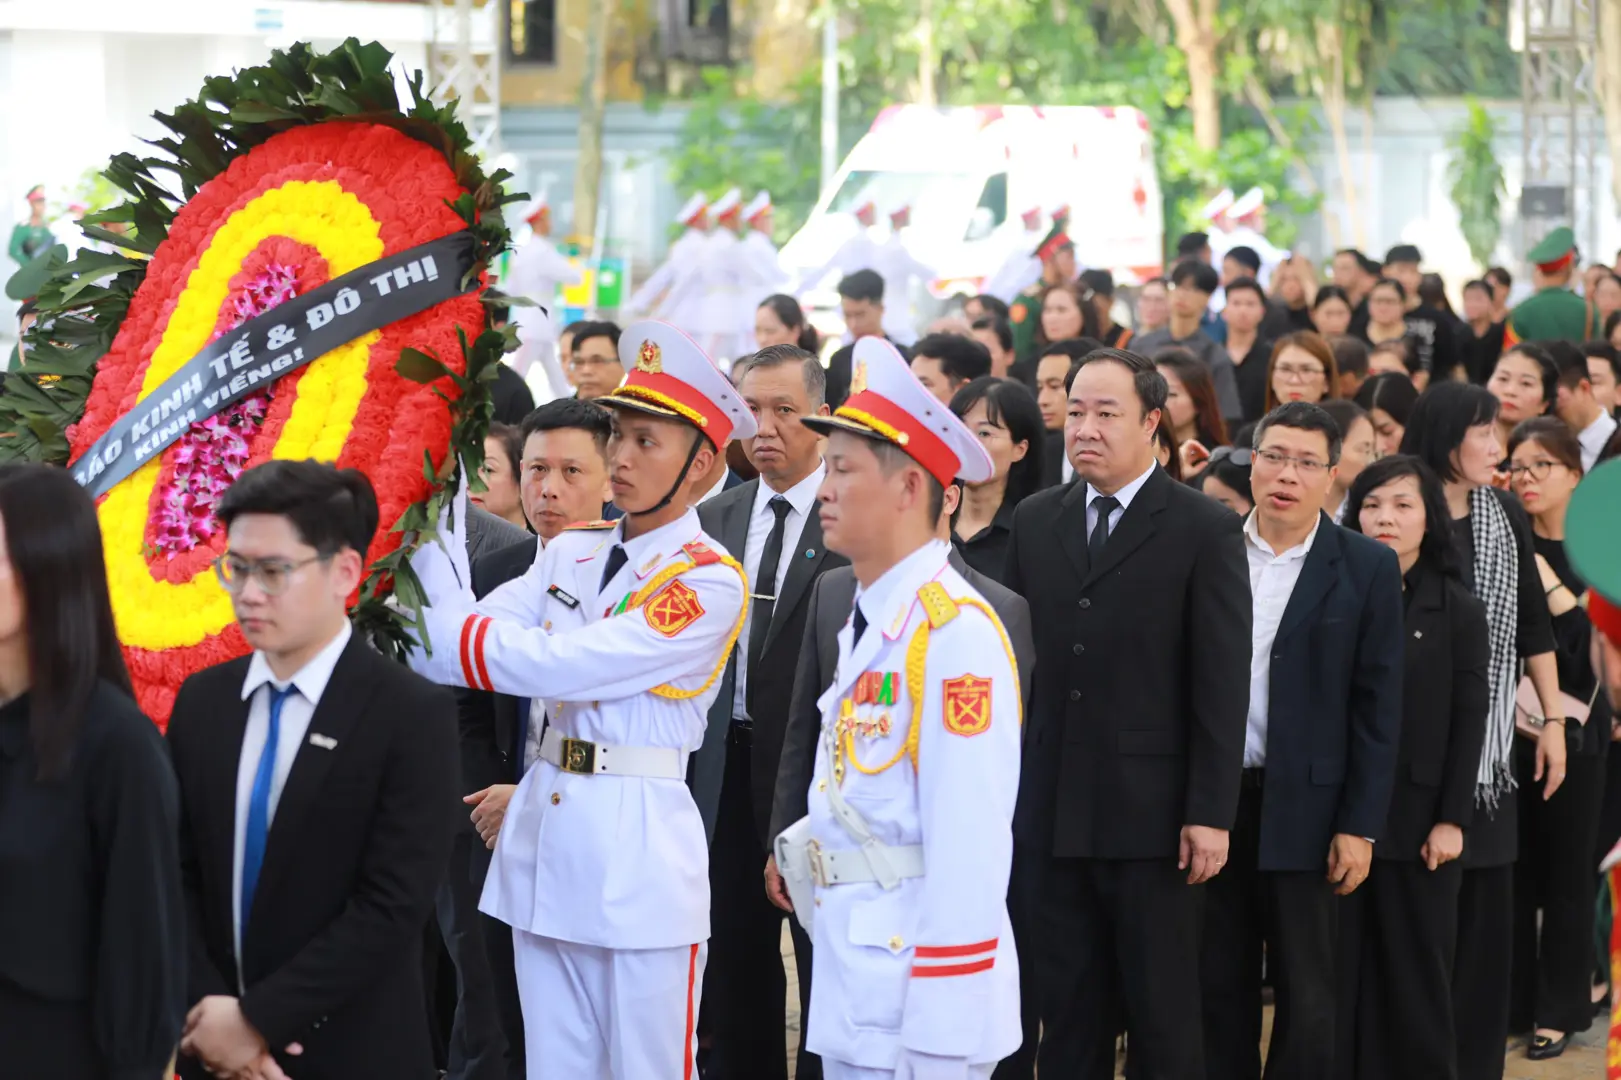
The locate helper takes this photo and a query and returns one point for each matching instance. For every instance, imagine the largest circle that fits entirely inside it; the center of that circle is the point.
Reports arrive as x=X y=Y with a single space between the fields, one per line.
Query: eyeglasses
x=273 y=575
x=1242 y=456
x=1538 y=470
x=1307 y=467
x=1292 y=373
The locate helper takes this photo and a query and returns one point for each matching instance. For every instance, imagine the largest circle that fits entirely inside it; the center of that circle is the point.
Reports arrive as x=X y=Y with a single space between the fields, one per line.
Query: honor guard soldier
x=1056 y=254
x=619 y=631
x=900 y=870
x=1554 y=313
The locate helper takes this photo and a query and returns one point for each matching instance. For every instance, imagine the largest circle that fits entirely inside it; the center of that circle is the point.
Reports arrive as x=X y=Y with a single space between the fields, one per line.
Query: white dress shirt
x=1273 y=577
x=802 y=503
x=1594 y=438
x=296 y=713
x=1125 y=495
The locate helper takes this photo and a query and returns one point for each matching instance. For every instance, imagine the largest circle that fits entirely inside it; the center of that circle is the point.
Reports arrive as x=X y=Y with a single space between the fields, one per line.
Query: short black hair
x=1539 y=353
x=1350 y=354
x=962 y=359
x=1403 y=253
x=1402 y=347
x=1075 y=349
x=994 y=304
x=1569 y=361
x=585 y=331
x=1146 y=379
x=811 y=371
x=1302 y=416
x=1501 y=276
x=999 y=327
x=330 y=508
x=511 y=439
x=1191 y=244
x=892 y=457
x=1011 y=406
x=1393 y=393
x=1247 y=284
x=1100 y=282
x=1345 y=413
x=1331 y=292
x=1478 y=283
x=863 y=285
x=1440 y=419
x=1401 y=290
x=1603 y=350
x=1244 y=256
x=573 y=327
x=1436 y=548
x=586 y=416
x=1199 y=275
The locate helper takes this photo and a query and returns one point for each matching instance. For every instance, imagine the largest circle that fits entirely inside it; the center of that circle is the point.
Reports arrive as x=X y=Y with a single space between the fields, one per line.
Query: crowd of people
x=1070 y=678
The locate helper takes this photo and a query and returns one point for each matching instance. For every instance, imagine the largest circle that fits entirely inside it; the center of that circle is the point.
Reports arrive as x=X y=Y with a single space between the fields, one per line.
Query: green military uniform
x=1554 y=313
x=1025 y=312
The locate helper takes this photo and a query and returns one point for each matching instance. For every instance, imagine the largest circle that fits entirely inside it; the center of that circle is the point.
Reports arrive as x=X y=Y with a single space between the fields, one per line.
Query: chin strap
x=680 y=478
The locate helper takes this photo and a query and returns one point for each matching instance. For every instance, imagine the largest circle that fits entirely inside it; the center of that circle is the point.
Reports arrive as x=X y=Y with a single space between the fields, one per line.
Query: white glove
x=916 y=1066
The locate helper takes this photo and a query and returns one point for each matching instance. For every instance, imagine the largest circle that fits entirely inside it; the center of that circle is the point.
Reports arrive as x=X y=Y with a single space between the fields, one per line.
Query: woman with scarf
x=1453 y=430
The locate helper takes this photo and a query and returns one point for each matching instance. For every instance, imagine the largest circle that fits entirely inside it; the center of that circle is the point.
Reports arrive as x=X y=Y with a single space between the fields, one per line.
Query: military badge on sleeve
x=672 y=609
x=967 y=705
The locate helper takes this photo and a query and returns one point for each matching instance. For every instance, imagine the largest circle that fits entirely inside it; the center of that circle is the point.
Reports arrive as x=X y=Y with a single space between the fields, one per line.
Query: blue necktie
x=258 y=830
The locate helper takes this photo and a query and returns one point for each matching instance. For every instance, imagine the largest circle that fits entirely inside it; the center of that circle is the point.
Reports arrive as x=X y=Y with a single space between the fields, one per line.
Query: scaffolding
x=1562 y=128
x=464 y=65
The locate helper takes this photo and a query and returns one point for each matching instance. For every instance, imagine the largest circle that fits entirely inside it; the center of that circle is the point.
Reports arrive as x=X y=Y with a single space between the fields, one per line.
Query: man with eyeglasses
x=319 y=796
x=594 y=360
x=1319 y=756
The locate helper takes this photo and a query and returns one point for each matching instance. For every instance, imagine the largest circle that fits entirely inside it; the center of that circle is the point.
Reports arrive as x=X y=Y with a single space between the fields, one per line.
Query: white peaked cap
x=691 y=208
x=726 y=203
x=757 y=206
x=1247 y=203
x=669 y=375
x=534 y=206
x=1217 y=206
x=888 y=403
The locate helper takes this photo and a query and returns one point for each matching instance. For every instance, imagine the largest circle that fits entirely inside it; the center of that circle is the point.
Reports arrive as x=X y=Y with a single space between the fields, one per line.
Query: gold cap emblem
x=858 y=380
x=649 y=358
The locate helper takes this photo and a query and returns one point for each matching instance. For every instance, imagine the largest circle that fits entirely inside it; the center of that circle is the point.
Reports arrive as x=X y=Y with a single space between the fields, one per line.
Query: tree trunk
x=1197 y=38
x=927 y=60
x=1332 y=94
x=1608 y=69
x=1259 y=98
x=593 y=102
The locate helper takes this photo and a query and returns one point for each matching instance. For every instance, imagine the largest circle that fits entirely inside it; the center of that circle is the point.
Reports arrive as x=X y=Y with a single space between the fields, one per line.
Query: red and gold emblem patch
x=650 y=358
x=967 y=705
x=673 y=608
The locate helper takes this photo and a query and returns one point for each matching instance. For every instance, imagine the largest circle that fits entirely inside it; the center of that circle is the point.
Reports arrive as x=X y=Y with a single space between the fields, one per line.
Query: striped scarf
x=1497 y=586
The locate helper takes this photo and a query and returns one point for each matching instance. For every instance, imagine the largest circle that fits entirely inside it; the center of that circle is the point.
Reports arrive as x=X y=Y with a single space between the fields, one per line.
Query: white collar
x=1127 y=493
x=647 y=551
x=901 y=583
x=311 y=679
x=802 y=496
x=1252 y=534
x=1598 y=432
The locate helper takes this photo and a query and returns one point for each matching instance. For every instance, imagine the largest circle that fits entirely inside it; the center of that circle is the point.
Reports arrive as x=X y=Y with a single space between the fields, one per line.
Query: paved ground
x=1583 y=1061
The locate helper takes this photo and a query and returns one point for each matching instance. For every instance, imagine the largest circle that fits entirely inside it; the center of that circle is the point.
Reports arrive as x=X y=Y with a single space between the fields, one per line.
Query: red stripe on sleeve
x=933 y=972
x=927 y=952
x=467 y=653
x=687 y=1059
x=478 y=653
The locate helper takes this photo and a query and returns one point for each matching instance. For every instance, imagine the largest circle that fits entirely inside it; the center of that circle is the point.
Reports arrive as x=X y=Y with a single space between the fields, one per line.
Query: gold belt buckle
x=813 y=854
x=579 y=756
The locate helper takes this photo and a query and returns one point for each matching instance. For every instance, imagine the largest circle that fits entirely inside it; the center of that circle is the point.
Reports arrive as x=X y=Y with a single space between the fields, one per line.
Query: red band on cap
x=922 y=445
x=1052 y=247
x=712 y=420
x=1606 y=616
x=1562 y=263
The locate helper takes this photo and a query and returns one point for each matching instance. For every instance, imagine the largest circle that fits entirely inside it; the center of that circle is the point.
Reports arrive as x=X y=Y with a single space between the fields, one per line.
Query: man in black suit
x=318 y=793
x=1135 y=734
x=861 y=301
x=832 y=599
x=1325 y=685
x=771 y=526
x=563 y=479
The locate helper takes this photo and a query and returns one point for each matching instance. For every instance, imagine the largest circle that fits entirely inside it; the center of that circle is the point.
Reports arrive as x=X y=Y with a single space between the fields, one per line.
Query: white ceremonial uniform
x=858 y=252
x=763 y=276
x=1244 y=236
x=537 y=272
x=921 y=980
x=721 y=272
x=900 y=269
x=1019 y=271
x=667 y=293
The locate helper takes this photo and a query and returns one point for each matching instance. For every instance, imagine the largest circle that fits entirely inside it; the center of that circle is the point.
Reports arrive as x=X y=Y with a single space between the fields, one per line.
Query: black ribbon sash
x=284 y=339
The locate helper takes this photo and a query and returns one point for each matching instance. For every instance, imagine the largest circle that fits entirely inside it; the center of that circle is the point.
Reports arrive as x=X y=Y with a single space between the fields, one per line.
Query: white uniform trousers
x=838 y=1070
x=592 y=1013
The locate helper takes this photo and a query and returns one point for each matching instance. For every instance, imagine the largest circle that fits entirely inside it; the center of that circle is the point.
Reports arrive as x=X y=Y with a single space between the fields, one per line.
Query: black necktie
x=861 y=626
x=1104 y=505
x=765 y=582
x=616 y=559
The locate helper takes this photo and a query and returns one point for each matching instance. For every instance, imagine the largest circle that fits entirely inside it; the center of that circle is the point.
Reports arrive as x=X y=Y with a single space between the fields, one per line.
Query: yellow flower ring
x=328 y=198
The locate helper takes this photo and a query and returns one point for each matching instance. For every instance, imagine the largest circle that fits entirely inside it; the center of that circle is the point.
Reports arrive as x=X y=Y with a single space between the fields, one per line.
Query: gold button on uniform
x=821 y=785
x=556 y=798
x=896 y=944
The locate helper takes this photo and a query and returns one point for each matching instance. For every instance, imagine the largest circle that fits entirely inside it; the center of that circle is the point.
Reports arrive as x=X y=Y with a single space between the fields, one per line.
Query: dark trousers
x=1117 y=938
x=483 y=1044
x=1295 y=916
x=1398 y=939
x=1480 y=972
x=744 y=984
x=1024 y=889
x=1552 y=980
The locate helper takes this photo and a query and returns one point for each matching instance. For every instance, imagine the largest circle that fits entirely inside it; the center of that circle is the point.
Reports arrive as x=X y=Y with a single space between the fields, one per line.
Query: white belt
x=600 y=759
x=882 y=863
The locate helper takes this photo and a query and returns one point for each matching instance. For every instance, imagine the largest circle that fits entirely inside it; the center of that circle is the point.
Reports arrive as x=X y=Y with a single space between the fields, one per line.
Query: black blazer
x=1334 y=710
x=358 y=846
x=831 y=602
x=492 y=724
x=1445 y=696
x=771 y=681
x=1141 y=692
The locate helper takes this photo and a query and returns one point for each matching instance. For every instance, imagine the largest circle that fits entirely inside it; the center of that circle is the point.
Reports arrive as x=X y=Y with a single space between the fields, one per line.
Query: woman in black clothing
x=1483 y=342
x=1004 y=416
x=1552 y=968
x=1453 y=430
x=1399 y=931
x=92 y=925
x=1247 y=346
x=1332 y=311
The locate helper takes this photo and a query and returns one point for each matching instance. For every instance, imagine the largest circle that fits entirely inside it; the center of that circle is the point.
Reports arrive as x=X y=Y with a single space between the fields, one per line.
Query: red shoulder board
x=701 y=553
x=580 y=525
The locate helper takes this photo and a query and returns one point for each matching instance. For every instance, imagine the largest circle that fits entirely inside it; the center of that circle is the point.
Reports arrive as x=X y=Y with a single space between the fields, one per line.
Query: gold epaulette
x=937 y=604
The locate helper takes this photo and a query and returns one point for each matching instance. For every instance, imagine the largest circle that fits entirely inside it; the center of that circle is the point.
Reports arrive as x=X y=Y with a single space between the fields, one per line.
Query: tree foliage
x=1477 y=189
